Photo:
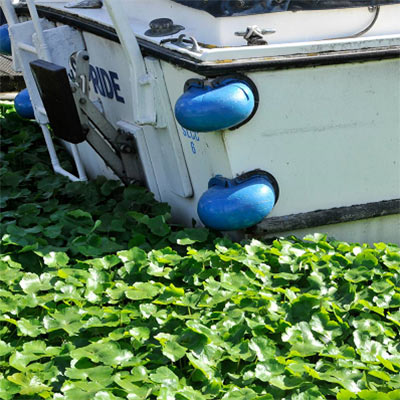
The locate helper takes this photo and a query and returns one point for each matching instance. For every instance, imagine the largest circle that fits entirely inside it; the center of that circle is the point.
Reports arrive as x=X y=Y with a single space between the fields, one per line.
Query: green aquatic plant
x=102 y=298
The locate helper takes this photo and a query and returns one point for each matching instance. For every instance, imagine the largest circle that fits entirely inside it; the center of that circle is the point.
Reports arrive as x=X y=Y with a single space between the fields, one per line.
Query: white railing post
x=43 y=51
x=9 y=12
x=141 y=82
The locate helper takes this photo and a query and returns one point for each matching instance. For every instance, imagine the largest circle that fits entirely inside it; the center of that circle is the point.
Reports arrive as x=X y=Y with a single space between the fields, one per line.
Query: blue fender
x=5 y=42
x=23 y=104
x=234 y=204
x=204 y=108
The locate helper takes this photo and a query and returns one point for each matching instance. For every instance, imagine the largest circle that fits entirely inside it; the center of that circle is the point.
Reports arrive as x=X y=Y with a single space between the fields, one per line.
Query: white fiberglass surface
x=289 y=27
x=329 y=135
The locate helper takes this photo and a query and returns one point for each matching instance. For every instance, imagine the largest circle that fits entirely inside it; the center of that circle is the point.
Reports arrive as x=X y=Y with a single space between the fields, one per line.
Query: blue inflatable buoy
x=234 y=204
x=23 y=105
x=221 y=105
x=5 y=42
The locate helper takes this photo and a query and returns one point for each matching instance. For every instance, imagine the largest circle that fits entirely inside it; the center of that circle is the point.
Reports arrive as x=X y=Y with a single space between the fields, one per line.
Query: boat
x=263 y=117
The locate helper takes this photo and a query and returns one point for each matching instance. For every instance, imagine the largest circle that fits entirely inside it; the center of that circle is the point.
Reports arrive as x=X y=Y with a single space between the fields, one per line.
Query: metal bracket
x=126 y=142
x=82 y=70
x=117 y=148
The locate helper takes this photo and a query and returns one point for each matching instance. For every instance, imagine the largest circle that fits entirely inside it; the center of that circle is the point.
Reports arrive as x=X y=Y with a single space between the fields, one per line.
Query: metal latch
x=254 y=35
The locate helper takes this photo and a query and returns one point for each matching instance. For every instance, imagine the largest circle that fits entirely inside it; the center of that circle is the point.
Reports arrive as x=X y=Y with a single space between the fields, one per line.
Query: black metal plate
x=55 y=91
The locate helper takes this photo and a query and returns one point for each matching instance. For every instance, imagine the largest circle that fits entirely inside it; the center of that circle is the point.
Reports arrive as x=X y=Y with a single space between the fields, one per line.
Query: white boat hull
x=328 y=131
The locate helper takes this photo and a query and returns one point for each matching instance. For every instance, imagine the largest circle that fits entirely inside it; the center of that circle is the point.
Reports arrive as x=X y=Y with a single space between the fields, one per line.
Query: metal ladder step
x=27 y=47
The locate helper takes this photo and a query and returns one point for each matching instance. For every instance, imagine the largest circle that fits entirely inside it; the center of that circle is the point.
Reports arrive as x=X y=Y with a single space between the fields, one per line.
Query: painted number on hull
x=105 y=83
x=193 y=137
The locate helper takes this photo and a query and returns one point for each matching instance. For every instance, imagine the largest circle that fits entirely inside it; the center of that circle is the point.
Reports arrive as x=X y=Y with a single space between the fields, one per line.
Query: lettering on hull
x=105 y=83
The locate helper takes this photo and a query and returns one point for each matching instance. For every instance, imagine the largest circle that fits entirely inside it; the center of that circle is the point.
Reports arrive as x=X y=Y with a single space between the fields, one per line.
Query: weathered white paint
x=231 y=54
x=72 y=41
x=167 y=147
x=373 y=230
x=330 y=135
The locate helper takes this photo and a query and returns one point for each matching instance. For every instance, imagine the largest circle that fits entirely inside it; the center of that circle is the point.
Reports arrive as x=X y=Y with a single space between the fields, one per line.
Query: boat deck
x=290 y=27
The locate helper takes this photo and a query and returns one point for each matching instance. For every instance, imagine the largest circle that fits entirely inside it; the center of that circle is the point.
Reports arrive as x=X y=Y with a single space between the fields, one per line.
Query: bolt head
x=126 y=149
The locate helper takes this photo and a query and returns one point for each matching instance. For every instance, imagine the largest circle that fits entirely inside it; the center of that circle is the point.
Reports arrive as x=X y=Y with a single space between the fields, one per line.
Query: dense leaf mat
x=100 y=298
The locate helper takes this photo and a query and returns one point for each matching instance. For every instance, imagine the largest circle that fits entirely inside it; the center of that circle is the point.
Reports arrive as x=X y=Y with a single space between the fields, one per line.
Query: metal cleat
x=254 y=35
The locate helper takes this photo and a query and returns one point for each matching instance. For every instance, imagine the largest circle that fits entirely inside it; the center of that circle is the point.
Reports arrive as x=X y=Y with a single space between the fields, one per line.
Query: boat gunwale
x=219 y=67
